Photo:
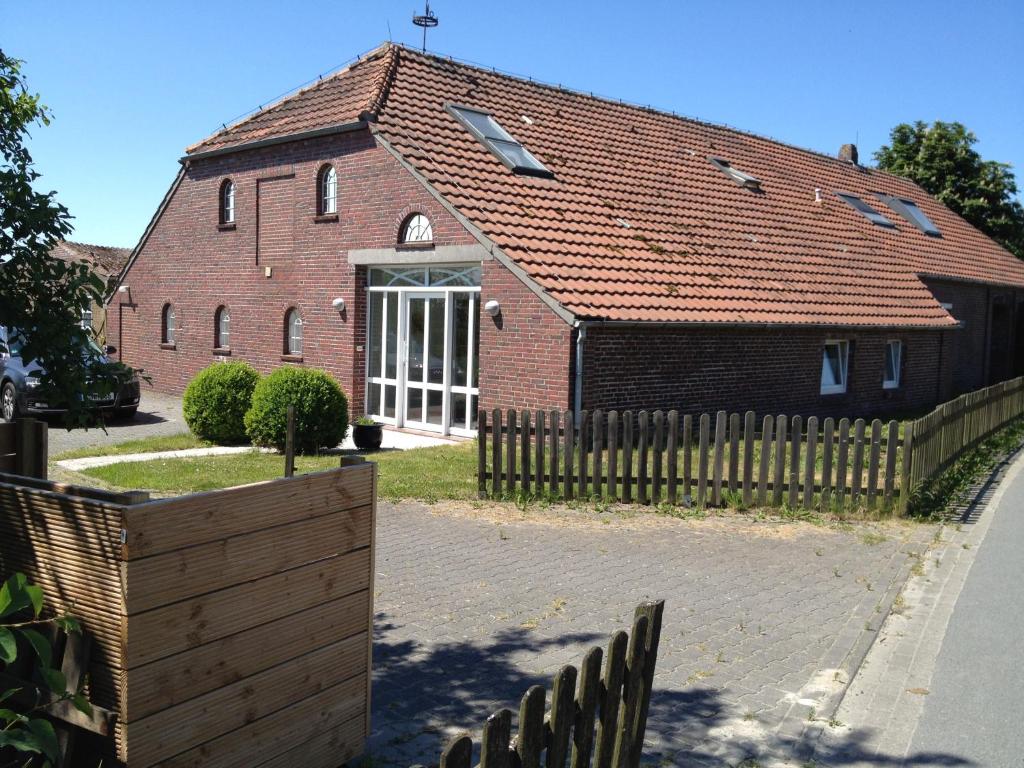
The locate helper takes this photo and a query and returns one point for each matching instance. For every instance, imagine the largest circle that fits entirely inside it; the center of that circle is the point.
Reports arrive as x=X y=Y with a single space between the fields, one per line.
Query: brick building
x=441 y=237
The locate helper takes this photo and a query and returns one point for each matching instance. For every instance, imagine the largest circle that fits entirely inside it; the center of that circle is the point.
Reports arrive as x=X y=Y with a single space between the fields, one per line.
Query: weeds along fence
x=953 y=428
x=655 y=458
x=597 y=718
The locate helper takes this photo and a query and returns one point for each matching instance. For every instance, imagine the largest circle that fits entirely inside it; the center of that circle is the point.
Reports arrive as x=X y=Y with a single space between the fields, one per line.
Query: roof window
x=866 y=210
x=499 y=141
x=908 y=210
x=741 y=178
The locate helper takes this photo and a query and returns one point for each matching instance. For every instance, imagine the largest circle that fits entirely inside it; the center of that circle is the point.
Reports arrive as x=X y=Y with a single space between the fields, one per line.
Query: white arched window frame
x=293 y=332
x=167 y=325
x=328 y=190
x=227 y=202
x=416 y=229
x=222 y=328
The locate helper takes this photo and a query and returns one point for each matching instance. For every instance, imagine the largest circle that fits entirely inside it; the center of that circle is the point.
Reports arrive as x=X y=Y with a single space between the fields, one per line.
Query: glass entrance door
x=422 y=349
x=426 y=342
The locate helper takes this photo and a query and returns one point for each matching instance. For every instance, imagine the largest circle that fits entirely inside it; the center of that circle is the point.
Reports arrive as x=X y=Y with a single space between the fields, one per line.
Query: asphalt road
x=158 y=415
x=975 y=708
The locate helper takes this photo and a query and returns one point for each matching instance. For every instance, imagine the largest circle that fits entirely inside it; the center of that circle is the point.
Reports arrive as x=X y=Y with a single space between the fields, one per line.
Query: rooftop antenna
x=427 y=20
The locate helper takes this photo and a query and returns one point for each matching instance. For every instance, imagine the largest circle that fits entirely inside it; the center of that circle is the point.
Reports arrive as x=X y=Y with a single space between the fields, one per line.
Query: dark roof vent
x=848 y=152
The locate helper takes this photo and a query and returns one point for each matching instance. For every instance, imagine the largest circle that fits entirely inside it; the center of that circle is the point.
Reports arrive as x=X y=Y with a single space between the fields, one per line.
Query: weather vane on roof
x=427 y=20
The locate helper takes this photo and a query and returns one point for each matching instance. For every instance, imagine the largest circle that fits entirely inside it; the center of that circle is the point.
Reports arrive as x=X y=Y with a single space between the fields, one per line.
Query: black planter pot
x=367 y=437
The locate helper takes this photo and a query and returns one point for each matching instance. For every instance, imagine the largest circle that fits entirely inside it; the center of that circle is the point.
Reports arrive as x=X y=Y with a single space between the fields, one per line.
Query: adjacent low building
x=442 y=237
x=104 y=260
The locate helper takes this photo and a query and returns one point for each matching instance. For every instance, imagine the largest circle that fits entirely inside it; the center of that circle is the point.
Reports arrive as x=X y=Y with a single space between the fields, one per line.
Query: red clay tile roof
x=637 y=224
x=106 y=260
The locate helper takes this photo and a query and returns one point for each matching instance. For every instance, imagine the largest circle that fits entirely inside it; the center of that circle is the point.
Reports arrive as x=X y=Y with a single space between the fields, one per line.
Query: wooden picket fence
x=654 y=458
x=942 y=436
x=651 y=458
x=599 y=721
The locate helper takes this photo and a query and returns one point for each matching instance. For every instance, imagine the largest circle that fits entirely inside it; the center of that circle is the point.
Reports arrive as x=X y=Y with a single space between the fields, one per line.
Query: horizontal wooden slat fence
x=942 y=436
x=597 y=718
x=664 y=457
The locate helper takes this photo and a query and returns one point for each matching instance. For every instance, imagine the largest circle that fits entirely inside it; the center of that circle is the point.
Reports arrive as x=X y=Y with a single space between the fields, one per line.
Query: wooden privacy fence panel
x=232 y=627
x=23 y=448
x=942 y=436
x=714 y=460
x=598 y=714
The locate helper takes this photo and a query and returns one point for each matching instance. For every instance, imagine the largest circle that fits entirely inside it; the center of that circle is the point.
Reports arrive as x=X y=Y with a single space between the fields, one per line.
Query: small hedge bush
x=321 y=410
x=216 y=401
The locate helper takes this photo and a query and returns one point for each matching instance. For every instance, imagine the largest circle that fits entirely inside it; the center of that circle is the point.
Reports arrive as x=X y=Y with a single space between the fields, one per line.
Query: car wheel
x=127 y=413
x=8 y=402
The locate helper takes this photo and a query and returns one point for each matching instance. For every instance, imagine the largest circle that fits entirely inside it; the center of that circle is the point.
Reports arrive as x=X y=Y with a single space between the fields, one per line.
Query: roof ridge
x=79 y=244
x=382 y=82
x=642 y=107
x=344 y=69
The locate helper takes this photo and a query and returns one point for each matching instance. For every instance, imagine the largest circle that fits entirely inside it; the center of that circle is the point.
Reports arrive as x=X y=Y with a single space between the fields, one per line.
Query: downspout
x=581 y=336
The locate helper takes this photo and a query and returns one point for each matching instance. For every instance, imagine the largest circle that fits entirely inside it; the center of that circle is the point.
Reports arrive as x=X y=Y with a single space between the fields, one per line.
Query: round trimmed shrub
x=216 y=401
x=321 y=410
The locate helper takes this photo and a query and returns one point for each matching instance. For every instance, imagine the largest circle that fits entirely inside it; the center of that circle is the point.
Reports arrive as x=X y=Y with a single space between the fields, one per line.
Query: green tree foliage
x=42 y=296
x=23 y=628
x=321 y=410
x=942 y=159
x=216 y=400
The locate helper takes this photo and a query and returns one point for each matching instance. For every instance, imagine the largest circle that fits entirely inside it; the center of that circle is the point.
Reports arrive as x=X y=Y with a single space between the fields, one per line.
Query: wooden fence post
x=568 y=442
x=496 y=463
x=613 y=455
x=719 y=461
x=656 y=456
x=796 y=436
x=289 y=443
x=481 y=454
x=828 y=447
x=524 y=456
x=749 y=426
x=553 y=476
x=641 y=471
x=627 y=456
x=778 y=478
x=598 y=428
x=907 y=467
x=767 y=432
x=510 y=453
x=811 y=461
x=672 y=468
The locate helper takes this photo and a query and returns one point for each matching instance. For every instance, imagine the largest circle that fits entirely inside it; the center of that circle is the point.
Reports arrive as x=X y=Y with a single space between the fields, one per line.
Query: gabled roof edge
x=569 y=317
x=146 y=233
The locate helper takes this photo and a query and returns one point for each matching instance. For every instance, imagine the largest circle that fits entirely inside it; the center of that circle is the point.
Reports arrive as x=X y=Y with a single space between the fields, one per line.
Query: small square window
x=893 y=360
x=834 y=367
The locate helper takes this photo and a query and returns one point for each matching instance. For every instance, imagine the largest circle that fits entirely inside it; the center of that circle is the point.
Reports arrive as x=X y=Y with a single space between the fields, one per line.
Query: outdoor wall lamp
x=493 y=308
x=339 y=304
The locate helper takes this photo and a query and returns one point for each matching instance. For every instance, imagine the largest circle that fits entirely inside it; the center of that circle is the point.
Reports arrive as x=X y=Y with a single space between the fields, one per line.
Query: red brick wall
x=769 y=371
x=526 y=352
x=189 y=262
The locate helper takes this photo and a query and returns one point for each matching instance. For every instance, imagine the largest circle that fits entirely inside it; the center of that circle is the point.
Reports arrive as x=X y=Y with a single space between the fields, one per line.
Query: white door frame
x=403 y=295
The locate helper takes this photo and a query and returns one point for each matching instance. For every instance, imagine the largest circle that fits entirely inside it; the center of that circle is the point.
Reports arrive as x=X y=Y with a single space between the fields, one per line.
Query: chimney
x=848 y=152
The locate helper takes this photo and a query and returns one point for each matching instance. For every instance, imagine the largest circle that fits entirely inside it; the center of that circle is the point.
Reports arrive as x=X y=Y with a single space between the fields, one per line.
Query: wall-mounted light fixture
x=339 y=304
x=123 y=289
x=493 y=308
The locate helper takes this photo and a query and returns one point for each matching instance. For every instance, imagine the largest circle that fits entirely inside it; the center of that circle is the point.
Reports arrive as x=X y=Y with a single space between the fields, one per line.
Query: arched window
x=227 y=202
x=167 y=325
x=416 y=229
x=328 y=191
x=293 y=332
x=222 y=328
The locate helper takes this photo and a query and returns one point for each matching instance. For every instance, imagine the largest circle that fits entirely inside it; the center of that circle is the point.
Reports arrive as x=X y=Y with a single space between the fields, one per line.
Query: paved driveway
x=762 y=620
x=158 y=414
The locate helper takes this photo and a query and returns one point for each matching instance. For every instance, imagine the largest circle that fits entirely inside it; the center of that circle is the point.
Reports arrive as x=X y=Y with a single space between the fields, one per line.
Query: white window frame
x=86 y=321
x=401 y=294
x=844 y=367
x=294 y=341
x=222 y=323
x=227 y=202
x=328 y=191
x=893 y=383
x=424 y=227
x=168 y=324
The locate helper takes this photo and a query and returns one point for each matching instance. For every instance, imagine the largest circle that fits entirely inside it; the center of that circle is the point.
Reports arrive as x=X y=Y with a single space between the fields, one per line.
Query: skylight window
x=499 y=141
x=908 y=210
x=740 y=177
x=866 y=210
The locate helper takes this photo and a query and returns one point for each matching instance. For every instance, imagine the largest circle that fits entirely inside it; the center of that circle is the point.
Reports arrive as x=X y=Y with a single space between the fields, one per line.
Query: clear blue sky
x=131 y=84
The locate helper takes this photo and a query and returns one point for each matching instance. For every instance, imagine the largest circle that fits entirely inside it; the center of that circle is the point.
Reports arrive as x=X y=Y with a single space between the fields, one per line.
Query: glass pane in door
x=435 y=403
x=375 y=322
x=460 y=342
x=416 y=341
x=435 y=357
x=391 y=352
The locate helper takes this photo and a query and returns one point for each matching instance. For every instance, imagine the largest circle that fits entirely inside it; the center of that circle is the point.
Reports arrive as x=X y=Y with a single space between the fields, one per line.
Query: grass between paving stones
x=430 y=474
x=937 y=497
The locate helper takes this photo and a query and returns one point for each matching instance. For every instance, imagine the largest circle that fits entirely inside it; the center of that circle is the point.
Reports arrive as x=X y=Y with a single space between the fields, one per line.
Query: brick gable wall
x=191 y=262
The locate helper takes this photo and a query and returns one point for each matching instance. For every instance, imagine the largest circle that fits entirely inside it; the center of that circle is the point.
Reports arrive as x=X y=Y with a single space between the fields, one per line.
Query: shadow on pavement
x=425 y=692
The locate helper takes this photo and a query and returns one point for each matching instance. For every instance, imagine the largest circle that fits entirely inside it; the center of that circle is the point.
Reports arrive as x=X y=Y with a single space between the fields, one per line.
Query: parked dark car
x=20 y=379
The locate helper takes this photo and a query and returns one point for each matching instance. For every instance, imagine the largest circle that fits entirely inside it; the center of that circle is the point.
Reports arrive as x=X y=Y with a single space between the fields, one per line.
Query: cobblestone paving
x=472 y=610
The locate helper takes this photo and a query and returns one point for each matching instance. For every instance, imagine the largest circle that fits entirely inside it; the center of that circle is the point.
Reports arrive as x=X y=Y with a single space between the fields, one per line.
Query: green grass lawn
x=443 y=472
x=145 y=445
